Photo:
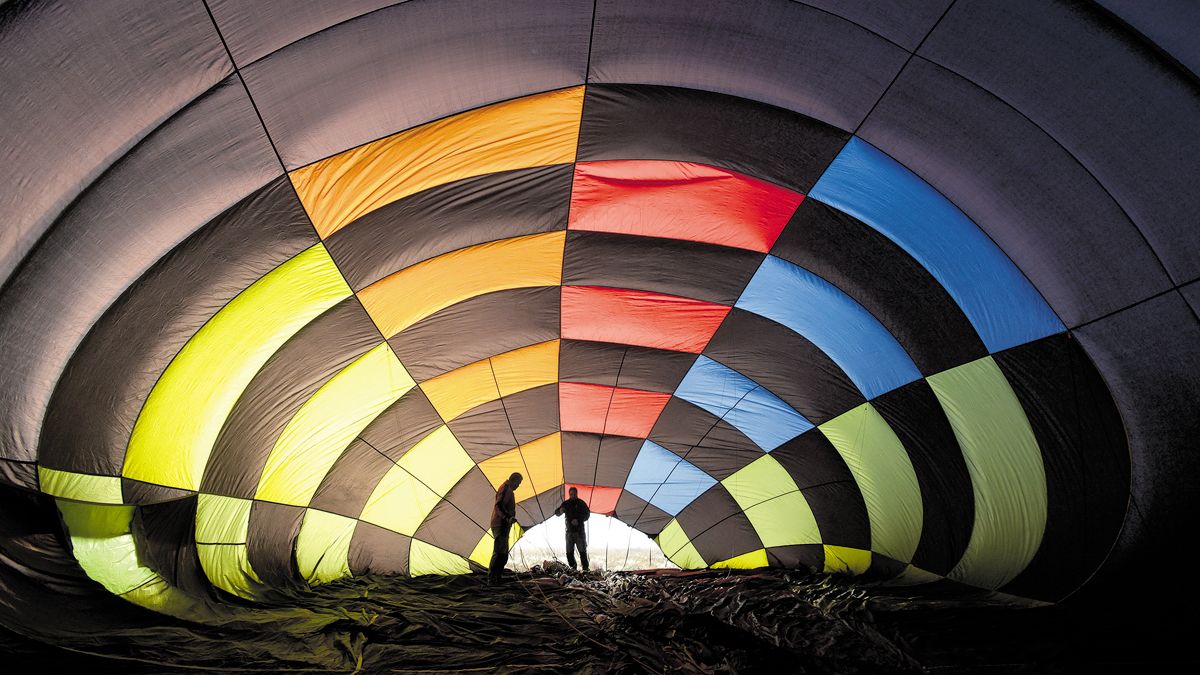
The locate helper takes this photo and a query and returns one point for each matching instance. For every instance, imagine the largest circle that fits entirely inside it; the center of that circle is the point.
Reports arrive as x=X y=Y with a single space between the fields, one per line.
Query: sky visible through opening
x=612 y=545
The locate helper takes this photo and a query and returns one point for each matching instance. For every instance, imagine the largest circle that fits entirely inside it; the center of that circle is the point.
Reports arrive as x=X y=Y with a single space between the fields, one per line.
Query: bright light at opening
x=612 y=545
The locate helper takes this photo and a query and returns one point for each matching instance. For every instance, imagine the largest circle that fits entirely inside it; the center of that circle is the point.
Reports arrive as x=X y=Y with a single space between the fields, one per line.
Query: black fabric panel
x=1191 y=293
x=1109 y=99
x=195 y=166
x=475 y=329
x=640 y=514
x=947 y=496
x=703 y=439
x=885 y=280
x=1149 y=356
x=450 y=217
x=139 y=492
x=68 y=114
x=165 y=538
x=782 y=53
x=1085 y=456
x=254 y=29
x=484 y=430
x=619 y=365
x=785 y=363
x=829 y=488
x=904 y=23
x=449 y=528
x=411 y=63
x=309 y=359
x=631 y=121
x=404 y=424
x=351 y=480
x=374 y=550
x=102 y=390
x=581 y=451
x=474 y=496
x=727 y=539
x=707 y=511
x=1072 y=241
x=798 y=556
x=1168 y=25
x=535 y=510
x=684 y=268
x=271 y=542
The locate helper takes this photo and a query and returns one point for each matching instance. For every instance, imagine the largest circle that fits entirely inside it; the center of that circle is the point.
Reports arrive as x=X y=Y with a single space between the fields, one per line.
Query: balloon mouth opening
x=611 y=545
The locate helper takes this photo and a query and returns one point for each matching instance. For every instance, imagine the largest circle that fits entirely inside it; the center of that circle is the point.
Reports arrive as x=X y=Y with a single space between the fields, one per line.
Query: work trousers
x=499 y=551
x=577 y=540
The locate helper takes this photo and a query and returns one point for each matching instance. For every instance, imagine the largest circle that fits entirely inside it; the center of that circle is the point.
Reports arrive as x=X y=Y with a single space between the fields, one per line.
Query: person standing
x=504 y=513
x=577 y=513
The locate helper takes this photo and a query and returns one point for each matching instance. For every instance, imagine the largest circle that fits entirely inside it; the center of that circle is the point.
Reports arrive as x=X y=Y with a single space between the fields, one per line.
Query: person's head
x=574 y=493
x=515 y=479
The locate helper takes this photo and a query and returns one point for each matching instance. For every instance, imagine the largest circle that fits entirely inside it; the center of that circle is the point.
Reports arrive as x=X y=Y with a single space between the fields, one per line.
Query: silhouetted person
x=577 y=514
x=504 y=512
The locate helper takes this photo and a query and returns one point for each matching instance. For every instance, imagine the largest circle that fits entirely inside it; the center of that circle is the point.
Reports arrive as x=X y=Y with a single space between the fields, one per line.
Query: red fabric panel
x=680 y=200
x=616 y=411
x=639 y=318
x=601 y=500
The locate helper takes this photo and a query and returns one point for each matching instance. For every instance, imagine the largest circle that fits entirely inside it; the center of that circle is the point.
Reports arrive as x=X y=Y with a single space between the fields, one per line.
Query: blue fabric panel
x=1005 y=309
x=666 y=480
x=742 y=402
x=816 y=309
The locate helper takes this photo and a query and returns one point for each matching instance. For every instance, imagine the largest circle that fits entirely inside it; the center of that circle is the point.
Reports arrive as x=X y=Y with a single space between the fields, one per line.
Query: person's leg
x=581 y=542
x=570 y=549
x=499 y=552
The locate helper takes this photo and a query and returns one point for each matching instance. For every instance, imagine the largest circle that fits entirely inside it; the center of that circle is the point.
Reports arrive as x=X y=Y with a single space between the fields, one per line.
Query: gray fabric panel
x=408 y=64
x=640 y=514
x=204 y=160
x=404 y=424
x=102 y=390
x=786 y=54
x=615 y=454
x=253 y=28
x=304 y=364
x=1171 y=26
x=487 y=430
x=904 y=23
x=1191 y=293
x=82 y=85
x=374 y=550
x=1128 y=116
x=271 y=542
x=478 y=328
x=1020 y=187
x=351 y=480
x=1149 y=356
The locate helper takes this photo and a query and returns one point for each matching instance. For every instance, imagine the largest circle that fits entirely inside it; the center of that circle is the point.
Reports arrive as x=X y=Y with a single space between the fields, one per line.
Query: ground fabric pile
x=291 y=288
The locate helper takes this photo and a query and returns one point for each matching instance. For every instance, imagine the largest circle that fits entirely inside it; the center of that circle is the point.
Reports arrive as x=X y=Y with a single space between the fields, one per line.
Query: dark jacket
x=576 y=509
x=505 y=509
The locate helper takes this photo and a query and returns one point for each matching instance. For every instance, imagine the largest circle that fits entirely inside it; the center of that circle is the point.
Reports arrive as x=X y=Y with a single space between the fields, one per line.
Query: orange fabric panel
x=535 y=130
x=639 y=318
x=680 y=200
x=600 y=409
x=459 y=390
x=539 y=461
x=404 y=298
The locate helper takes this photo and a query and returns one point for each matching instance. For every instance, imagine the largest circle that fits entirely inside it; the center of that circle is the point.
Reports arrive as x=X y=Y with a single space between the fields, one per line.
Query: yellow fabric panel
x=677 y=546
x=539 y=461
x=79 y=486
x=760 y=480
x=482 y=553
x=885 y=477
x=457 y=391
x=844 y=560
x=429 y=559
x=175 y=432
x=745 y=561
x=409 y=491
x=531 y=131
x=102 y=542
x=785 y=520
x=227 y=567
x=914 y=576
x=222 y=520
x=438 y=460
x=405 y=297
x=323 y=546
x=327 y=423
x=1005 y=464
x=162 y=597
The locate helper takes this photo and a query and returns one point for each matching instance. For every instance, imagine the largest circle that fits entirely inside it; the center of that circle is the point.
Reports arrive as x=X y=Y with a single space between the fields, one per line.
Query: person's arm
x=559 y=510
